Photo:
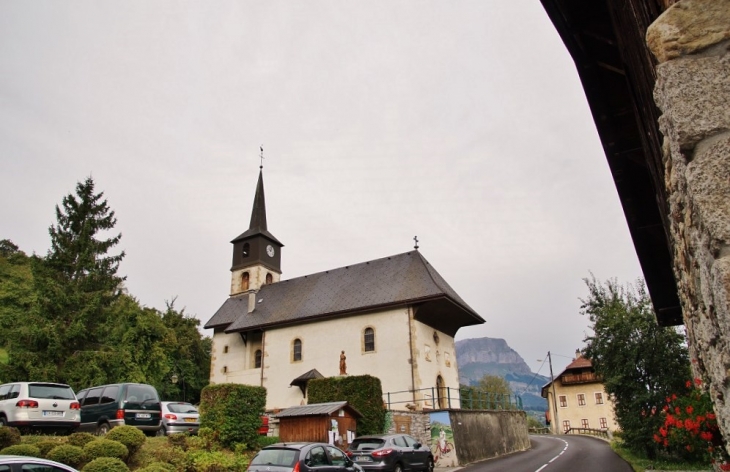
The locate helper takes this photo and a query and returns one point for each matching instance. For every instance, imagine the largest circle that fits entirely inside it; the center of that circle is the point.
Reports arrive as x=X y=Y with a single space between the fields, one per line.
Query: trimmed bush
x=362 y=392
x=46 y=445
x=106 y=464
x=170 y=455
x=263 y=441
x=234 y=411
x=105 y=448
x=9 y=436
x=178 y=440
x=130 y=436
x=67 y=454
x=217 y=461
x=80 y=439
x=158 y=467
x=22 y=450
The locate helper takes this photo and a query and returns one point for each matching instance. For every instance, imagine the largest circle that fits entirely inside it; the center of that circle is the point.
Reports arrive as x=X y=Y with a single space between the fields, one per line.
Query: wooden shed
x=314 y=422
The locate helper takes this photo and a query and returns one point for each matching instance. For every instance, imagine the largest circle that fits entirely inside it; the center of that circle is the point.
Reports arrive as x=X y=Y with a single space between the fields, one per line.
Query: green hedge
x=27 y=450
x=67 y=454
x=362 y=392
x=106 y=464
x=233 y=411
x=9 y=436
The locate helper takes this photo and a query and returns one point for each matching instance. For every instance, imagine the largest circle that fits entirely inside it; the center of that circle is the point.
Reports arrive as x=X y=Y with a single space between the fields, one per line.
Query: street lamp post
x=174 y=379
x=555 y=398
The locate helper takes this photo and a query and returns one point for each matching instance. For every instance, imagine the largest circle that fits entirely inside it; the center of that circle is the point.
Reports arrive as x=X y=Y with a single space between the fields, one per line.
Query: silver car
x=39 y=406
x=22 y=463
x=179 y=417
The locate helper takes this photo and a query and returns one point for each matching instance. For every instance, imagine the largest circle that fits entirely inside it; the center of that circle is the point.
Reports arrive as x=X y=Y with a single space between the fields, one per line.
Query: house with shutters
x=394 y=318
x=582 y=401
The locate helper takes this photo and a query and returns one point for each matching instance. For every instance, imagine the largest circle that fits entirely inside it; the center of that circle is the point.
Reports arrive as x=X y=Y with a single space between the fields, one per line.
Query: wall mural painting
x=442 y=440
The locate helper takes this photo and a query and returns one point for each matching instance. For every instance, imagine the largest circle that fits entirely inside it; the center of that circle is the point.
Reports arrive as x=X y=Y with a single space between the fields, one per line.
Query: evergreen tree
x=640 y=362
x=74 y=286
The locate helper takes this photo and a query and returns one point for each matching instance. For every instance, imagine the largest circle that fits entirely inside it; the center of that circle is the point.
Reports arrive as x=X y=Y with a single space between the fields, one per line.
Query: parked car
x=23 y=463
x=179 y=417
x=390 y=453
x=302 y=457
x=107 y=406
x=33 y=406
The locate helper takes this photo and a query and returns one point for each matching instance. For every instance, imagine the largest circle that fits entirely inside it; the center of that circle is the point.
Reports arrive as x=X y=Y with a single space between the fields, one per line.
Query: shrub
x=158 y=467
x=170 y=455
x=178 y=440
x=130 y=436
x=204 y=461
x=263 y=441
x=234 y=411
x=106 y=464
x=21 y=450
x=67 y=454
x=80 y=439
x=9 y=436
x=362 y=392
x=106 y=448
x=47 y=444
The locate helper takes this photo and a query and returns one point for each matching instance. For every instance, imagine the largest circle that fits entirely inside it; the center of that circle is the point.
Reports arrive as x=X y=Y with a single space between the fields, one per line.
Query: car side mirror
x=417 y=446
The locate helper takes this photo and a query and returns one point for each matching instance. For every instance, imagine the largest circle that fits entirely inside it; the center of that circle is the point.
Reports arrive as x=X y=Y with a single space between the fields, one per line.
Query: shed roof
x=403 y=279
x=317 y=409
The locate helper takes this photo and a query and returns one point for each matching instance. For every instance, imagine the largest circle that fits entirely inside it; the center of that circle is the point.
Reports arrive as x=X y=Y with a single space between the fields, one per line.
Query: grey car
x=179 y=417
x=302 y=457
x=390 y=453
x=23 y=463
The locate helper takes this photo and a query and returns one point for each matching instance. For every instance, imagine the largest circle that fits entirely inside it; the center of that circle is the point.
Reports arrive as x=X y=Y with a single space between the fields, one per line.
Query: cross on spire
x=415 y=238
x=261 y=166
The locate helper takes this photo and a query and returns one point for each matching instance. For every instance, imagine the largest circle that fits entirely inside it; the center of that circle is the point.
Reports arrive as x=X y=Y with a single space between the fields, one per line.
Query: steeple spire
x=258 y=213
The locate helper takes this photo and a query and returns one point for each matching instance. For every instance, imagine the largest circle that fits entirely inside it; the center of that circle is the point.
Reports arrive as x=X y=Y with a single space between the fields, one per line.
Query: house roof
x=606 y=40
x=317 y=409
x=306 y=377
x=403 y=279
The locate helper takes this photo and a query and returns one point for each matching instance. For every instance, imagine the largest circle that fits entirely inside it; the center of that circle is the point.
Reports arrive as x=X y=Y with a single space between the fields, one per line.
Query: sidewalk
x=446 y=469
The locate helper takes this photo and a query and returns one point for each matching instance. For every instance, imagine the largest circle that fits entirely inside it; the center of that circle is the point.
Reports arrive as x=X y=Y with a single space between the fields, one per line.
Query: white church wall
x=435 y=356
x=232 y=361
x=322 y=343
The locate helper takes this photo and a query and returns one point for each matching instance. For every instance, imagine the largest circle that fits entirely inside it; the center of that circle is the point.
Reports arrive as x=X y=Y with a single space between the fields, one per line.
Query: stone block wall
x=691 y=41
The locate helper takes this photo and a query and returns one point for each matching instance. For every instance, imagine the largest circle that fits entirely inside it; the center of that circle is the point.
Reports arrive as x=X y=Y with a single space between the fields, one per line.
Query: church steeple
x=256 y=252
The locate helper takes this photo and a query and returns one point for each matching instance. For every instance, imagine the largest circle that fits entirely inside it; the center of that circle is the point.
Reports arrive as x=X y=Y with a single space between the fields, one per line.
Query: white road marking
x=559 y=454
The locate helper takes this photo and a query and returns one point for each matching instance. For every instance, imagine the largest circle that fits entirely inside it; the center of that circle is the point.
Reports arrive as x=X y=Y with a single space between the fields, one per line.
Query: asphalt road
x=565 y=453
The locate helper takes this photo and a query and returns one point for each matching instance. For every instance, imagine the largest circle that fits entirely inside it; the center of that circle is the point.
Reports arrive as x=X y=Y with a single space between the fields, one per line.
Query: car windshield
x=53 y=392
x=181 y=408
x=280 y=457
x=141 y=394
x=366 y=444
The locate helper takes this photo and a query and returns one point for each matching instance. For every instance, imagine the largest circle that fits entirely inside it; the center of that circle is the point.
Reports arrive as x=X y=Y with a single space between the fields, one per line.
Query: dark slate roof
x=398 y=280
x=306 y=377
x=317 y=409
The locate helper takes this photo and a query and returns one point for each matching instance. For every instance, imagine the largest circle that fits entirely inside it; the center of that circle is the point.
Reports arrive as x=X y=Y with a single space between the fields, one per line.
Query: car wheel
x=429 y=465
x=3 y=421
x=162 y=431
x=102 y=429
x=398 y=468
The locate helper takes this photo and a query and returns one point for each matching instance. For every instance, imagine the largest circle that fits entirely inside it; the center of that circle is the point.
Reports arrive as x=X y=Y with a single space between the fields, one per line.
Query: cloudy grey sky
x=462 y=122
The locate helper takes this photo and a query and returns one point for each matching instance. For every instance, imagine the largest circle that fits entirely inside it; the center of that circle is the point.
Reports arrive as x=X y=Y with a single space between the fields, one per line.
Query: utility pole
x=555 y=399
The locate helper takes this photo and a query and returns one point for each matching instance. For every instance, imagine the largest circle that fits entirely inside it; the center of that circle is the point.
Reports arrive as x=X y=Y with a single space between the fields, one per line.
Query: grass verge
x=642 y=464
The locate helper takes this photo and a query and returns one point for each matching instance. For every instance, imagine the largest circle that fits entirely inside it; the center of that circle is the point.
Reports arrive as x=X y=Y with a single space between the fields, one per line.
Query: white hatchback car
x=23 y=463
x=179 y=417
x=44 y=406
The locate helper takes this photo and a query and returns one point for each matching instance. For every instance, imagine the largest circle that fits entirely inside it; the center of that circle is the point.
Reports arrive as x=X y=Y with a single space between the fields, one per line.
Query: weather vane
x=415 y=238
x=261 y=166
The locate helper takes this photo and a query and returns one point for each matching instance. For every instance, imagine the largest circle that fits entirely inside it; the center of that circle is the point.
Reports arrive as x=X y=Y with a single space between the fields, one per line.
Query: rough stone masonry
x=691 y=41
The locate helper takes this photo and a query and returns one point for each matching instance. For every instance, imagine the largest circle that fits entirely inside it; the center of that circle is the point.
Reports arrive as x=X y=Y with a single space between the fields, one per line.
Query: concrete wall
x=479 y=435
x=691 y=40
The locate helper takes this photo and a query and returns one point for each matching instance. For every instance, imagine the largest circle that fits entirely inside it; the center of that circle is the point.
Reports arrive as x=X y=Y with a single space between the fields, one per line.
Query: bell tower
x=256 y=252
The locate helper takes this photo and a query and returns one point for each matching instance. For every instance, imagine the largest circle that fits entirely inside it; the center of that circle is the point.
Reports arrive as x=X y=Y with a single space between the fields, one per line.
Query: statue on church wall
x=343 y=364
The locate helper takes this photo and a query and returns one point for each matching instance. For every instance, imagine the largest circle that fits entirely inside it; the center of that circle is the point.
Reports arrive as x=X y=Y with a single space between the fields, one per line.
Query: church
x=394 y=318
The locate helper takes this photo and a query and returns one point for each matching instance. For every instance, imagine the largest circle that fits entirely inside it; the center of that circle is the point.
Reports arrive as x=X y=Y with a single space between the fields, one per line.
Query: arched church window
x=297 y=350
x=269 y=278
x=441 y=392
x=244 y=281
x=246 y=250
x=257 y=359
x=369 y=339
